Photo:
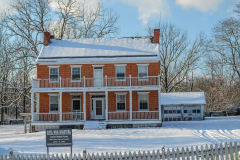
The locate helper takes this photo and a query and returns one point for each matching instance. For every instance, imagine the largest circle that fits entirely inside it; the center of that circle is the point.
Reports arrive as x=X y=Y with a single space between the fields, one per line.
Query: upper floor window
x=76 y=73
x=143 y=72
x=120 y=73
x=143 y=101
x=53 y=104
x=53 y=74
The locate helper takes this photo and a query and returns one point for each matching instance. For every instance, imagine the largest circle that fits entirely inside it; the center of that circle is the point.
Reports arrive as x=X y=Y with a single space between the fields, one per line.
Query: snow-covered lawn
x=172 y=134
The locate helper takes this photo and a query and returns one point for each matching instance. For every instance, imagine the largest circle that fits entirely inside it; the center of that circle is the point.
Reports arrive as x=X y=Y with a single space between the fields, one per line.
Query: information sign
x=59 y=138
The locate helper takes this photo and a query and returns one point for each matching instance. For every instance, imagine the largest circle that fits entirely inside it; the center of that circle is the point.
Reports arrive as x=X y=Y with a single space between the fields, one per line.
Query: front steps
x=95 y=125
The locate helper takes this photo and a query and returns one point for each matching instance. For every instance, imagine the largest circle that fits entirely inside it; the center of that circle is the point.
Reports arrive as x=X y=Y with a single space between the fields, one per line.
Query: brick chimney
x=46 y=38
x=156 y=35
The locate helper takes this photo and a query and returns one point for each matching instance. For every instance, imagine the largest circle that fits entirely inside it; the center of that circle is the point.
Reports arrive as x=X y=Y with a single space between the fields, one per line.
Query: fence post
x=84 y=154
x=11 y=154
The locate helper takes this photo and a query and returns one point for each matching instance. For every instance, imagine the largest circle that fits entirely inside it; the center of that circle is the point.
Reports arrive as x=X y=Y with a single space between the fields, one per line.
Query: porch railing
x=73 y=116
x=46 y=117
x=97 y=82
x=118 y=115
x=145 y=115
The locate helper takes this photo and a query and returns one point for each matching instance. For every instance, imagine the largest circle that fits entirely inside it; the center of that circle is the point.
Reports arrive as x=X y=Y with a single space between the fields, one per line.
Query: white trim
x=146 y=93
x=141 y=65
x=75 y=65
x=53 y=94
x=98 y=65
x=53 y=66
x=80 y=73
x=99 y=62
x=120 y=93
x=97 y=93
x=120 y=65
x=125 y=102
x=75 y=94
x=143 y=92
x=124 y=72
x=50 y=95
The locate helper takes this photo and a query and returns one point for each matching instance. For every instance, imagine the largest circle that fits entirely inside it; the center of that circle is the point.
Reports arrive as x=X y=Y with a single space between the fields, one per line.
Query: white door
x=98 y=77
x=99 y=108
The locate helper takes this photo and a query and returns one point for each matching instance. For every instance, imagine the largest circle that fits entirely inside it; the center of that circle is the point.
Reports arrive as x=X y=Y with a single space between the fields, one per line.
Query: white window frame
x=120 y=65
x=50 y=72
x=140 y=79
x=78 y=66
x=72 y=98
x=121 y=93
x=57 y=95
x=143 y=93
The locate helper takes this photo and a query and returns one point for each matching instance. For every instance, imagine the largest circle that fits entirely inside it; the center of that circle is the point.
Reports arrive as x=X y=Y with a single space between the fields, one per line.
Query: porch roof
x=178 y=98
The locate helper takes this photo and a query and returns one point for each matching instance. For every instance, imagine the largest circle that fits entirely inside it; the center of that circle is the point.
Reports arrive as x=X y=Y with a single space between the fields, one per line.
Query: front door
x=99 y=108
x=76 y=109
x=98 y=77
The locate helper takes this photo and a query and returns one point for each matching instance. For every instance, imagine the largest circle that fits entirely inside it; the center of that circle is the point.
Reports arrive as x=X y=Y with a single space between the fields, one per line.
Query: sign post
x=58 y=138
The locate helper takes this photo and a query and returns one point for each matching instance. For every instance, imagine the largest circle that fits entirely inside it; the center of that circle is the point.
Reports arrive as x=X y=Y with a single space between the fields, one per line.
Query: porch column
x=38 y=103
x=106 y=96
x=130 y=101
x=32 y=103
x=84 y=105
x=202 y=111
x=159 y=105
x=60 y=105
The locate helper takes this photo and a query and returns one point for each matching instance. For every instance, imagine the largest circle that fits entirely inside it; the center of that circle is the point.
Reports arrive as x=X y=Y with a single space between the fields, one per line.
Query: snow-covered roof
x=177 y=98
x=99 y=49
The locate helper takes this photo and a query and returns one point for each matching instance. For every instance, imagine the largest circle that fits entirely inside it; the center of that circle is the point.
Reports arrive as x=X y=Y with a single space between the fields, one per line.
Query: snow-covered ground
x=172 y=134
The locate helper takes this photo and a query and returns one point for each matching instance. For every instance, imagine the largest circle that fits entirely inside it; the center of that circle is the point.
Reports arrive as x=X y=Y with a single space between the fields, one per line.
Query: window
x=143 y=101
x=198 y=111
x=53 y=103
x=120 y=73
x=170 y=111
x=178 y=111
x=142 y=72
x=166 y=111
x=53 y=74
x=76 y=74
x=174 y=111
x=194 y=111
x=185 y=111
x=121 y=102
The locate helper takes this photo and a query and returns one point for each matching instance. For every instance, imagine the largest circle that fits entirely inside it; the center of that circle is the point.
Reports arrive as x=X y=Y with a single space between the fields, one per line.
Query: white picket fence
x=213 y=152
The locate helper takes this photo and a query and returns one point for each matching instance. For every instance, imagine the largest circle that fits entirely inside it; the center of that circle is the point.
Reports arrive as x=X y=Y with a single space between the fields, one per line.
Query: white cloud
x=4 y=4
x=202 y=5
x=53 y=3
x=150 y=9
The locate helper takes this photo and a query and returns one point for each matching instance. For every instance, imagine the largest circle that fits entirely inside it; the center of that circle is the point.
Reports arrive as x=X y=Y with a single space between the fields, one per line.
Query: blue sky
x=191 y=15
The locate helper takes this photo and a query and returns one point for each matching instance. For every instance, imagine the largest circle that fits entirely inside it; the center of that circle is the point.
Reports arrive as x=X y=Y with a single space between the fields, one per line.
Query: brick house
x=113 y=80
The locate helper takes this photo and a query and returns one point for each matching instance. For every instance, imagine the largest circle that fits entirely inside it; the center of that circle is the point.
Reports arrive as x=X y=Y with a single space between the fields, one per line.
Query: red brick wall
x=66 y=102
x=87 y=70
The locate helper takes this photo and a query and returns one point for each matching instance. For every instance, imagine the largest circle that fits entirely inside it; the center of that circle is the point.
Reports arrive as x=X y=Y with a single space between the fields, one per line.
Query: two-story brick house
x=115 y=80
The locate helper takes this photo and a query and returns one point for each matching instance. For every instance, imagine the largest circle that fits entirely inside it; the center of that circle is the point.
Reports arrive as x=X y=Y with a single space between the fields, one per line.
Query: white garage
x=183 y=106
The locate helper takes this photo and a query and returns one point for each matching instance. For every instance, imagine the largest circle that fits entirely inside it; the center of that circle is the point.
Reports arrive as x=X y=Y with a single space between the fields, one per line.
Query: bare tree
x=79 y=20
x=178 y=56
x=226 y=43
